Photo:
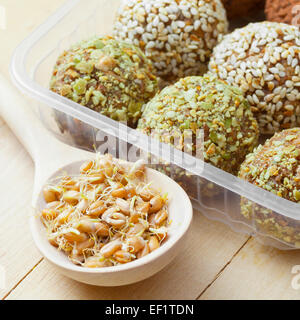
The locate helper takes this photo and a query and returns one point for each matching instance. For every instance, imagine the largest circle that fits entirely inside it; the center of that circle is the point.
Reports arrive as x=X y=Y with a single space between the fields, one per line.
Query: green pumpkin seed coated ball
x=109 y=76
x=193 y=103
x=275 y=167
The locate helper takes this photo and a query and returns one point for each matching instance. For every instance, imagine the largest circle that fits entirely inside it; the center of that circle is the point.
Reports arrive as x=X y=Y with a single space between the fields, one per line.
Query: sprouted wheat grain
x=106 y=215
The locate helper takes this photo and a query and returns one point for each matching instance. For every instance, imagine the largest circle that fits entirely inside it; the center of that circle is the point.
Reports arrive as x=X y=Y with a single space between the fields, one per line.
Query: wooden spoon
x=51 y=157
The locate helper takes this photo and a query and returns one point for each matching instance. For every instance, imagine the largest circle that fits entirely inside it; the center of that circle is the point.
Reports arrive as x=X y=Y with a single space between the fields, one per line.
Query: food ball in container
x=177 y=35
x=241 y=8
x=275 y=167
x=285 y=11
x=179 y=111
x=262 y=59
x=109 y=76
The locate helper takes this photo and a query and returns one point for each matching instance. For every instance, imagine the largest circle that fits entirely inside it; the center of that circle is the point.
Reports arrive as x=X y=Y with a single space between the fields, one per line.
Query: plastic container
x=31 y=68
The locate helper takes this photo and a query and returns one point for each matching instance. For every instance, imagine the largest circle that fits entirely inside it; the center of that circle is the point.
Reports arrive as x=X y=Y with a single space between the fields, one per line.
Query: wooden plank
x=18 y=255
x=258 y=272
x=209 y=247
x=17 y=252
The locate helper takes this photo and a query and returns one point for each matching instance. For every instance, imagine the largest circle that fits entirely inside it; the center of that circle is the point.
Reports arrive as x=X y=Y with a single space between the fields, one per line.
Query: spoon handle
x=48 y=153
x=21 y=118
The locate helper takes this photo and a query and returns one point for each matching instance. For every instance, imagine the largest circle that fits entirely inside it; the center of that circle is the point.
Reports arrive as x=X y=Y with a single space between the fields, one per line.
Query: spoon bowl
x=180 y=215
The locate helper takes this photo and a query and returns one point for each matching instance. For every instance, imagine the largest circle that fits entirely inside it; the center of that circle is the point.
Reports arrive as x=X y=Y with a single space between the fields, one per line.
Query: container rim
x=27 y=85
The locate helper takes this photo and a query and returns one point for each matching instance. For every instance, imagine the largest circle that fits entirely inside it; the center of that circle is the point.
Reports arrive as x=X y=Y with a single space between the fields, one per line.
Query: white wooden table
x=216 y=263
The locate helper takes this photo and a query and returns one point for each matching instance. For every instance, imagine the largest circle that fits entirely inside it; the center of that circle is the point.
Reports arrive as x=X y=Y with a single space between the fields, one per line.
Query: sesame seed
x=180 y=24
x=294 y=62
x=274 y=70
x=140 y=30
x=291 y=97
x=289 y=107
x=259 y=93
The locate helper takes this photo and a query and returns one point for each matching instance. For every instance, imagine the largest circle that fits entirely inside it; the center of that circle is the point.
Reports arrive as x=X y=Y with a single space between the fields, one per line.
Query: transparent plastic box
x=273 y=220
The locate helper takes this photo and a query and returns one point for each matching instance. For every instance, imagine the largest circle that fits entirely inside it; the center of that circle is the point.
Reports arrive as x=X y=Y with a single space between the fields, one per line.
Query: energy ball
x=109 y=76
x=262 y=59
x=193 y=103
x=177 y=35
x=275 y=167
x=283 y=11
x=241 y=8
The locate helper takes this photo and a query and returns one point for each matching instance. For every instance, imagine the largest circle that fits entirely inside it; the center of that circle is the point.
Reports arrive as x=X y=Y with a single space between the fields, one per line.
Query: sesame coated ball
x=285 y=11
x=109 y=76
x=177 y=35
x=262 y=59
x=193 y=103
x=275 y=167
